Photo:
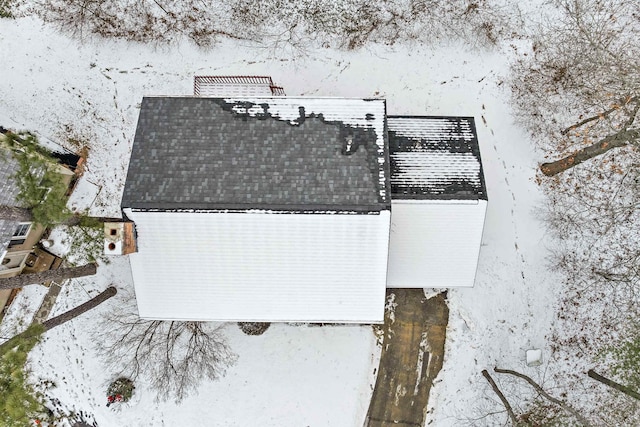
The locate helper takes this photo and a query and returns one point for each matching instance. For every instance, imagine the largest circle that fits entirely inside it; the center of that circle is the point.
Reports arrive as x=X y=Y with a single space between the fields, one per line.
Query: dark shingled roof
x=206 y=153
x=435 y=158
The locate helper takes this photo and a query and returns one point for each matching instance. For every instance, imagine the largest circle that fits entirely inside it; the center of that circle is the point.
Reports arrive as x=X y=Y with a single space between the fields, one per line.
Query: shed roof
x=435 y=158
x=269 y=153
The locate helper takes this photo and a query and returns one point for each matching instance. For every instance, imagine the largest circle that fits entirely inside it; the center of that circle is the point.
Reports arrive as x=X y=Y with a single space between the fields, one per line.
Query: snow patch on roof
x=435 y=157
x=435 y=171
x=433 y=128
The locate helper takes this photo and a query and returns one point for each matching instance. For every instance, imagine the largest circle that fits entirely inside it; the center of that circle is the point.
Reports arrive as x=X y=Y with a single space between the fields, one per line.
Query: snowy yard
x=290 y=376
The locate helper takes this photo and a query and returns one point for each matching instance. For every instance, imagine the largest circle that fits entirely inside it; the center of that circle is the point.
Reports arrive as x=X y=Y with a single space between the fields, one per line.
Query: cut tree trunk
x=49 y=275
x=619 y=139
x=15 y=213
x=59 y=320
x=626 y=390
x=82 y=308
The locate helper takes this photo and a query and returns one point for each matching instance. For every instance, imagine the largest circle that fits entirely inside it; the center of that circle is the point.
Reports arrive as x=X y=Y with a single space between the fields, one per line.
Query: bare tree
x=174 y=357
x=203 y=21
x=353 y=24
x=277 y=24
x=541 y=408
x=564 y=405
x=579 y=92
x=49 y=275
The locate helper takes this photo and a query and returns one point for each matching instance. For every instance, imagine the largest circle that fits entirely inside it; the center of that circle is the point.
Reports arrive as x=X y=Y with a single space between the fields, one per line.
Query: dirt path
x=412 y=355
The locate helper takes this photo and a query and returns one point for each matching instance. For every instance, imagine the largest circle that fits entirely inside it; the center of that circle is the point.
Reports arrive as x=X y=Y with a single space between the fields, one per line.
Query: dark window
x=16 y=242
x=22 y=230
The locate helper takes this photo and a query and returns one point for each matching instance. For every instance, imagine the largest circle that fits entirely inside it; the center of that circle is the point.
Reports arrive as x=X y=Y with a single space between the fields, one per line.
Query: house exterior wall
x=434 y=243
x=31 y=239
x=260 y=266
x=17 y=254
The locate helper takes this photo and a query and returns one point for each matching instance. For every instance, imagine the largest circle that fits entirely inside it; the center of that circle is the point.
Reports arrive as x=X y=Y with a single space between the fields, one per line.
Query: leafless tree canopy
x=144 y=21
x=173 y=357
x=581 y=83
x=282 y=23
x=579 y=95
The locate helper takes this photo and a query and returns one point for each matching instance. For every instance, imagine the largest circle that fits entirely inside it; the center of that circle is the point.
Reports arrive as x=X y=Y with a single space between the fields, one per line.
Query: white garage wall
x=434 y=243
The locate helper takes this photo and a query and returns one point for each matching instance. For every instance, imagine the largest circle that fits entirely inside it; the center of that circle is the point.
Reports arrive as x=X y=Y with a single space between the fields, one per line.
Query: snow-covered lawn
x=290 y=376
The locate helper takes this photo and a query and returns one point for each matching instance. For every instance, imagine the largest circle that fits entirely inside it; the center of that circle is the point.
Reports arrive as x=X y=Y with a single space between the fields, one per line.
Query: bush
x=6 y=7
x=121 y=387
x=254 y=328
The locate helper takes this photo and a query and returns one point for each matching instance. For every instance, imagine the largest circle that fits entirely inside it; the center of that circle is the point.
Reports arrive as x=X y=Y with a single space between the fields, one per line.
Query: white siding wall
x=261 y=266
x=434 y=244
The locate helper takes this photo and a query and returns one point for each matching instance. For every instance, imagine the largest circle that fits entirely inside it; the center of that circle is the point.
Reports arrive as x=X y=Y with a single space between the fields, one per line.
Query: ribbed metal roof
x=435 y=158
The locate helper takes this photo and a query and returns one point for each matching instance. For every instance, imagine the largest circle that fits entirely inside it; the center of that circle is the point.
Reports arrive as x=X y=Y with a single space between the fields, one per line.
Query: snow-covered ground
x=290 y=376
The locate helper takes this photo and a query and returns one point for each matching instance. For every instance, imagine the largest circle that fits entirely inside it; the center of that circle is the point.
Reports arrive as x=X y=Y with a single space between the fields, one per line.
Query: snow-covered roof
x=260 y=266
x=281 y=153
x=435 y=158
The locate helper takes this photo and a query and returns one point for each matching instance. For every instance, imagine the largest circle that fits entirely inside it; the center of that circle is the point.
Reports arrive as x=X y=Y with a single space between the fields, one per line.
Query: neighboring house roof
x=225 y=86
x=8 y=186
x=8 y=194
x=292 y=154
x=435 y=158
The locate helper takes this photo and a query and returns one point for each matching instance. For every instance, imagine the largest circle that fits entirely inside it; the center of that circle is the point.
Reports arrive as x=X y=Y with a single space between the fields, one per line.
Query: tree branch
x=619 y=139
x=59 y=320
x=602 y=115
x=504 y=400
x=626 y=390
x=547 y=396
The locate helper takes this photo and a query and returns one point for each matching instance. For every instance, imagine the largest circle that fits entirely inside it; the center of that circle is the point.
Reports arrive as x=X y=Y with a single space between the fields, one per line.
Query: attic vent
x=119 y=238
